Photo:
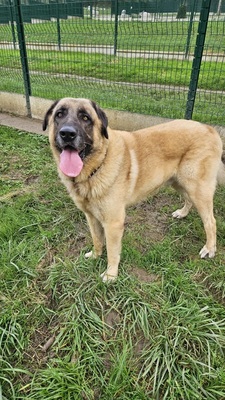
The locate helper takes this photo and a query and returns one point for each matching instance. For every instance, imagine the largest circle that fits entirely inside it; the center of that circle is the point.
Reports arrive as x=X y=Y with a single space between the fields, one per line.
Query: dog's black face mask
x=100 y=113
x=73 y=127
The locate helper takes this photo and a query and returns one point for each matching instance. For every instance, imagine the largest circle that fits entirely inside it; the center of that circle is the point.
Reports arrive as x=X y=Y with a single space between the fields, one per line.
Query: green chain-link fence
x=157 y=57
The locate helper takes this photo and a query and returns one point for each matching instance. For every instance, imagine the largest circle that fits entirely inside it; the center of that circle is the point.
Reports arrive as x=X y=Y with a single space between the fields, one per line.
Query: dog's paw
x=89 y=254
x=106 y=277
x=179 y=214
x=206 y=252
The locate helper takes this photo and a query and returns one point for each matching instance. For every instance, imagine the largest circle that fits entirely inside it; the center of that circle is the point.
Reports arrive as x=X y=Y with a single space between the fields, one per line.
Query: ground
x=154 y=333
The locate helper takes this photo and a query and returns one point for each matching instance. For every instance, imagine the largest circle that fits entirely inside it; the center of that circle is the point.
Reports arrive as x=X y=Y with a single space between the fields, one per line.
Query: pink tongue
x=70 y=163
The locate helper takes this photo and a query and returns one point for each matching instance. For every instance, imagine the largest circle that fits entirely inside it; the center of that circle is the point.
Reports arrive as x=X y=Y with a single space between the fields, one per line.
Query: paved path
x=35 y=126
x=22 y=123
x=109 y=50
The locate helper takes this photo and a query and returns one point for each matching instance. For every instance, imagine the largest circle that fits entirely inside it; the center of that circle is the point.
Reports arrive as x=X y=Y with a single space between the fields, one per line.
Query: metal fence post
x=196 y=65
x=116 y=27
x=23 y=54
x=12 y=24
x=58 y=26
x=190 y=29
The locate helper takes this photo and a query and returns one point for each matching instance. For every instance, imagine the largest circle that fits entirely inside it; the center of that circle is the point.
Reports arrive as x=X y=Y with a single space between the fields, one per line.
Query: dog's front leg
x=97 y=234
x=113 y=233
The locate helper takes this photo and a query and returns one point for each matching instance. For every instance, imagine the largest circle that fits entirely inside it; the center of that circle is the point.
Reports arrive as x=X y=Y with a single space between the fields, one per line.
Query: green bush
x=182 y=12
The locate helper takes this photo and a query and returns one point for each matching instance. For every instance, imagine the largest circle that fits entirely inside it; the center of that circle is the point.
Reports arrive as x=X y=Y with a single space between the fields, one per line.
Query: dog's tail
x=221 y=172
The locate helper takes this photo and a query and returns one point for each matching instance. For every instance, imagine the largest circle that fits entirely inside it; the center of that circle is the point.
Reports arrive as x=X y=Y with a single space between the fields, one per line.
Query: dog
x=106 y=170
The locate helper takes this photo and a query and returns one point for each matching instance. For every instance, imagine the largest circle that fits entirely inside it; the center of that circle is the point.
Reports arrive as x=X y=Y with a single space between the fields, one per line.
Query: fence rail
x=157 y=57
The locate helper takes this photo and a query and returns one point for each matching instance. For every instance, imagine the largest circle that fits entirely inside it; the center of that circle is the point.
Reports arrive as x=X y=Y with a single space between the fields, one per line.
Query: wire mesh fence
x=136 y=56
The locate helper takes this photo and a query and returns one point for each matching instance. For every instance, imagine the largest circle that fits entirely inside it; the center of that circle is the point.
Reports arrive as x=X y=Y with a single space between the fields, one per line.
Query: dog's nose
x=67 y=133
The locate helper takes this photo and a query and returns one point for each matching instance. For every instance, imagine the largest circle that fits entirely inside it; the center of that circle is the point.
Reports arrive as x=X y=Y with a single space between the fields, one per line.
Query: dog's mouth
x=71 y=161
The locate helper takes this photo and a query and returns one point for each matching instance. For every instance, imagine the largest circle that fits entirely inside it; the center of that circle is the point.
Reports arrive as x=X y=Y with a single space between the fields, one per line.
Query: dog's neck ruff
x=98 y=168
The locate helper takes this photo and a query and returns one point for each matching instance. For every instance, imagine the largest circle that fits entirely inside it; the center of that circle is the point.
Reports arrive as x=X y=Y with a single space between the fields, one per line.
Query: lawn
x=130 y=84
x=133 y=82
x=162 y=35
x=158 y=332
x=141 y=71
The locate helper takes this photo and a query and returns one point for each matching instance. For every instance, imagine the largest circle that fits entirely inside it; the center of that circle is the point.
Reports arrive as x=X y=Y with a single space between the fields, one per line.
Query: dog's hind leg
x=202 y=199
x=209 y=223
x=182 y=212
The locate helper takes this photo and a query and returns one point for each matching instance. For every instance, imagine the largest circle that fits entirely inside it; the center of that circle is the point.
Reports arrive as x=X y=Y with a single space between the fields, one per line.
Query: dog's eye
x=83 y=116
x=59 y=114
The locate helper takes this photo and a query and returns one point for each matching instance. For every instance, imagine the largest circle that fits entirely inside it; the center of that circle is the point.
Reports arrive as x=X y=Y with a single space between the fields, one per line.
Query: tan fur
x=128 y=167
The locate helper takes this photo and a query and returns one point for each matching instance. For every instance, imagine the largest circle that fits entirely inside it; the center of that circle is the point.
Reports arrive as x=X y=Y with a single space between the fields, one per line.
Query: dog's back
x=179 y=151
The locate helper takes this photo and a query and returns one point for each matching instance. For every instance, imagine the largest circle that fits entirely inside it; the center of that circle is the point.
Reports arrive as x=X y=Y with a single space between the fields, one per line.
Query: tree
x=182 y=11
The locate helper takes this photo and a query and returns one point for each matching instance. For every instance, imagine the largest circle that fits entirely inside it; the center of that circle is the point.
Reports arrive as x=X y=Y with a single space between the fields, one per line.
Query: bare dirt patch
x=148 y=221
x=144 y=276
x=113 y=319
x=211 y=287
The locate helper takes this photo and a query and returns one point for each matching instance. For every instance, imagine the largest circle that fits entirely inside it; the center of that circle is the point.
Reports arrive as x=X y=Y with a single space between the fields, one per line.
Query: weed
x=156 y=333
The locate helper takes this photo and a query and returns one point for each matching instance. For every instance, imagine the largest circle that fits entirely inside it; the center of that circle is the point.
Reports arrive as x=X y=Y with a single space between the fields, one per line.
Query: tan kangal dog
x=106 y=170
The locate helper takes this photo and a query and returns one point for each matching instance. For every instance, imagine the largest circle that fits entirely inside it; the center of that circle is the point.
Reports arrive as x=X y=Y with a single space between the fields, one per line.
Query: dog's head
x=75 y=125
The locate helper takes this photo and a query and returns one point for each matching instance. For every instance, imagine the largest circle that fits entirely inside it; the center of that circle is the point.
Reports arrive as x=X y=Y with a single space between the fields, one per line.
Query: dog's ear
x=102 y=116
x=48 y=114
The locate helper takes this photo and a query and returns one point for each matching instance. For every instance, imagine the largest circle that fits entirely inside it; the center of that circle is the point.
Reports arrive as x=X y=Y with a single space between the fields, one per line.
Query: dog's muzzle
x=68 y=134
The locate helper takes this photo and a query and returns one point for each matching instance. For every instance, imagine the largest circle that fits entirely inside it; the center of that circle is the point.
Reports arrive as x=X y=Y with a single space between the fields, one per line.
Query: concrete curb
x=21 y=123
x=13 y=108
x=13 y=114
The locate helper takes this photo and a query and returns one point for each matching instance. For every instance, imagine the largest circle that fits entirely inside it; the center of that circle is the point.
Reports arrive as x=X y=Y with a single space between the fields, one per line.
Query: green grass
x=105 y=79
x=156 y=86
x=133 y=70
x=158 y=332
x=156 y=36
x=209 y=107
